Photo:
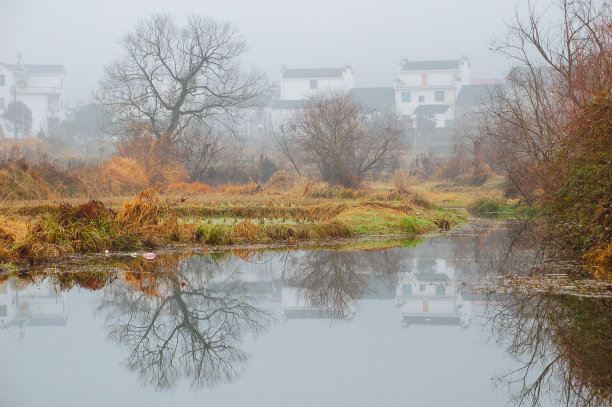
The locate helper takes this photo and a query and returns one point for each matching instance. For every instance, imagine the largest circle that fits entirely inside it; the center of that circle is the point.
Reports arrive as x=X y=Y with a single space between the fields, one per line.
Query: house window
x=3 y=310
x=440 y=289
x=421 y=287
x=406 y=97
x=424 y=80
x=1 y=80
x=314 y=84
x=2 y=103
x=421 y=99
x=406 y=289
x=439 y=96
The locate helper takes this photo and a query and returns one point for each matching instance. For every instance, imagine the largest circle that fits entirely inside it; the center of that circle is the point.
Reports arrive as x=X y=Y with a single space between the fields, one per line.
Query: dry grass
x=188 y=188
x=119 y=176
x=599 y=262
x=216 y=217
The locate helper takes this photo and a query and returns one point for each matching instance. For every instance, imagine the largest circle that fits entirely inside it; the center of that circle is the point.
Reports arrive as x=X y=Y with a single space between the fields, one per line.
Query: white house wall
x=297 y=89
x=448 y=81
x=43 y=94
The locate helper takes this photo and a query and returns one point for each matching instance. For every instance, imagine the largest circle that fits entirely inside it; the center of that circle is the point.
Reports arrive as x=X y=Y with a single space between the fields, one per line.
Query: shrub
x=487 y=207
x=415 y=226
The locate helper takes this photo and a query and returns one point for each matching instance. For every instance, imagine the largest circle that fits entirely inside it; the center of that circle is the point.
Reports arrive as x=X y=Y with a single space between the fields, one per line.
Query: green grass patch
x=500 y=208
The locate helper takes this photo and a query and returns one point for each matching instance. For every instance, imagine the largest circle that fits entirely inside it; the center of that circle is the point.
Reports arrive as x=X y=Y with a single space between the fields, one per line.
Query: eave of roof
x=306 y=73
x=441 y=65
x=34 y=68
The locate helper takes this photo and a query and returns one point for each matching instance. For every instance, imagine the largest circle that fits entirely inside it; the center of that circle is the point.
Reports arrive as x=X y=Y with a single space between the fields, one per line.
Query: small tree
x=343 y=140
x=19 y=116
x=200 y=150
x=171 y=77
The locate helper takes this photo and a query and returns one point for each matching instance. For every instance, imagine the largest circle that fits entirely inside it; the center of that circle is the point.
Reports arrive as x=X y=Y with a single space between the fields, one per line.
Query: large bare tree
x=342 y=139
x=171 y=76
x=177 y=324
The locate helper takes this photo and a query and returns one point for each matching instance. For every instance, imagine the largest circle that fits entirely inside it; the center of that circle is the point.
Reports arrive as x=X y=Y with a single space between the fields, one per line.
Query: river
x=467 y=318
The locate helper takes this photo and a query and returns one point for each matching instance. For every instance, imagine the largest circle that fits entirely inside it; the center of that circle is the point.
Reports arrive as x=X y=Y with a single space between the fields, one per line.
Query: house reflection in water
x=429 y=295
x=24 y=305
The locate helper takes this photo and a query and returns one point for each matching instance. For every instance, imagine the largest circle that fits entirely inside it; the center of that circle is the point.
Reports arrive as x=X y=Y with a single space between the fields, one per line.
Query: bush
x=580 y=211
x=487 y=207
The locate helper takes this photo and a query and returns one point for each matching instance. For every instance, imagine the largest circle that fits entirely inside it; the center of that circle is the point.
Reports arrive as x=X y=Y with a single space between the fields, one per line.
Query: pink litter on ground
x=149 y=256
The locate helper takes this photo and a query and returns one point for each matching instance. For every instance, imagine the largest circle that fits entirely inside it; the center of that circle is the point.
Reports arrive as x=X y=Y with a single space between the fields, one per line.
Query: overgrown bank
x=149 y=222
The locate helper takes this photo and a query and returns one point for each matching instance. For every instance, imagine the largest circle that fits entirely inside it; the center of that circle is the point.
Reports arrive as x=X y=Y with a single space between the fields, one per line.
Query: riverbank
x=43 y=232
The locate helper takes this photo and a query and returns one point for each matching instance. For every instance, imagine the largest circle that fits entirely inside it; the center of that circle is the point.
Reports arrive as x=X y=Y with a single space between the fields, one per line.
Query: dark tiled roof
x=286 y=104
x=375 y=98
x=313 y=73
x=34 y=69
x=431 y=109
x=472 y=95
x=430 y=65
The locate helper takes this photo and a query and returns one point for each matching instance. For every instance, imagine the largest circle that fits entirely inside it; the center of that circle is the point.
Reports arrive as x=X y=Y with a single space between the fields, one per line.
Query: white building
x=40 y=87
x=297 y=85
x=431 y=297
x=24 y=305
x=430 y=83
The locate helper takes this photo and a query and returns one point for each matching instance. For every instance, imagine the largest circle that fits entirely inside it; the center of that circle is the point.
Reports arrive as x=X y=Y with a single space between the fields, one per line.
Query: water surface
x=420 y=325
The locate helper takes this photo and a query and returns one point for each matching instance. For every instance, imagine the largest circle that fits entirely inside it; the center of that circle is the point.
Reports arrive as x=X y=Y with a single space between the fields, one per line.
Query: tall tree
x=20 y=117
x=171 y=76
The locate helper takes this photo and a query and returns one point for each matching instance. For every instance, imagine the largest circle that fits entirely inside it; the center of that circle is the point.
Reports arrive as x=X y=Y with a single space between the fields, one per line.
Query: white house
x=430 y=83
x=40 y=87
x=34 y=305
x=297 y=85
x=431 y=297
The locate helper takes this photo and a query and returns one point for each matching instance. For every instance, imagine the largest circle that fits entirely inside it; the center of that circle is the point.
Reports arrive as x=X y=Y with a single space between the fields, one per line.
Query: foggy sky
x=371 y=36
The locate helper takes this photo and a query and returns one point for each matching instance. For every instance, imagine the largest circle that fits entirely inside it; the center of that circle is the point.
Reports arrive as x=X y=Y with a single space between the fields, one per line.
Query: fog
x=372 y=37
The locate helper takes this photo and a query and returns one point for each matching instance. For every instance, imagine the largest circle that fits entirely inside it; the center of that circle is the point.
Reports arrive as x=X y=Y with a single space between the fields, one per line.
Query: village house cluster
x=440 y=90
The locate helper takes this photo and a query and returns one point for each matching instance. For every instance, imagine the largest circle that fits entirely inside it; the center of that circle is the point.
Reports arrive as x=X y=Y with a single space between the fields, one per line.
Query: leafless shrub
x=342 y=139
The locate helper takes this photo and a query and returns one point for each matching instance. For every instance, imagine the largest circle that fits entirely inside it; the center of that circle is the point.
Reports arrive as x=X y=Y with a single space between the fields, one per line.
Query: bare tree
x=340 y=137
x=178 y=326
x=200 y=149
x=171 y=76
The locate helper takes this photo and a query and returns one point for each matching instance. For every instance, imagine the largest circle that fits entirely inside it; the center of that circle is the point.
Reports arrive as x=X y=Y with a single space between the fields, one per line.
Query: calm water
x=405 y=326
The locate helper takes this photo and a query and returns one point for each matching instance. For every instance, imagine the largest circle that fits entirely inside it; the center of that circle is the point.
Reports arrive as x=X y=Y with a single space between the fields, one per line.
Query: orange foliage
x=121 y=175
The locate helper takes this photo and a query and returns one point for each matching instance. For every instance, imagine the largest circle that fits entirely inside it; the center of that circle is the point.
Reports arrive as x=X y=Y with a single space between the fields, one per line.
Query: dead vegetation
x=151 y=220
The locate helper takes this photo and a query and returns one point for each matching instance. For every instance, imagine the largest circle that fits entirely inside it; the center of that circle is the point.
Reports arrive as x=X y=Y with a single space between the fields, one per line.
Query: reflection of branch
x=331 y=280
x=563 y=341
x=187 y=330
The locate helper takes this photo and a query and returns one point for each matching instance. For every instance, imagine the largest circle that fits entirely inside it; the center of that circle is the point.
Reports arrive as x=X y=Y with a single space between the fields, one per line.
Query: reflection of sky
x=369 y=361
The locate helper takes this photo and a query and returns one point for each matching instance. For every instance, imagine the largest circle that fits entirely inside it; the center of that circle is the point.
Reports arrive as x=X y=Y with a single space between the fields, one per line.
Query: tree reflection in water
x=562 y=343
x=186 y=317
x=331 y=282
x=175 y=325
